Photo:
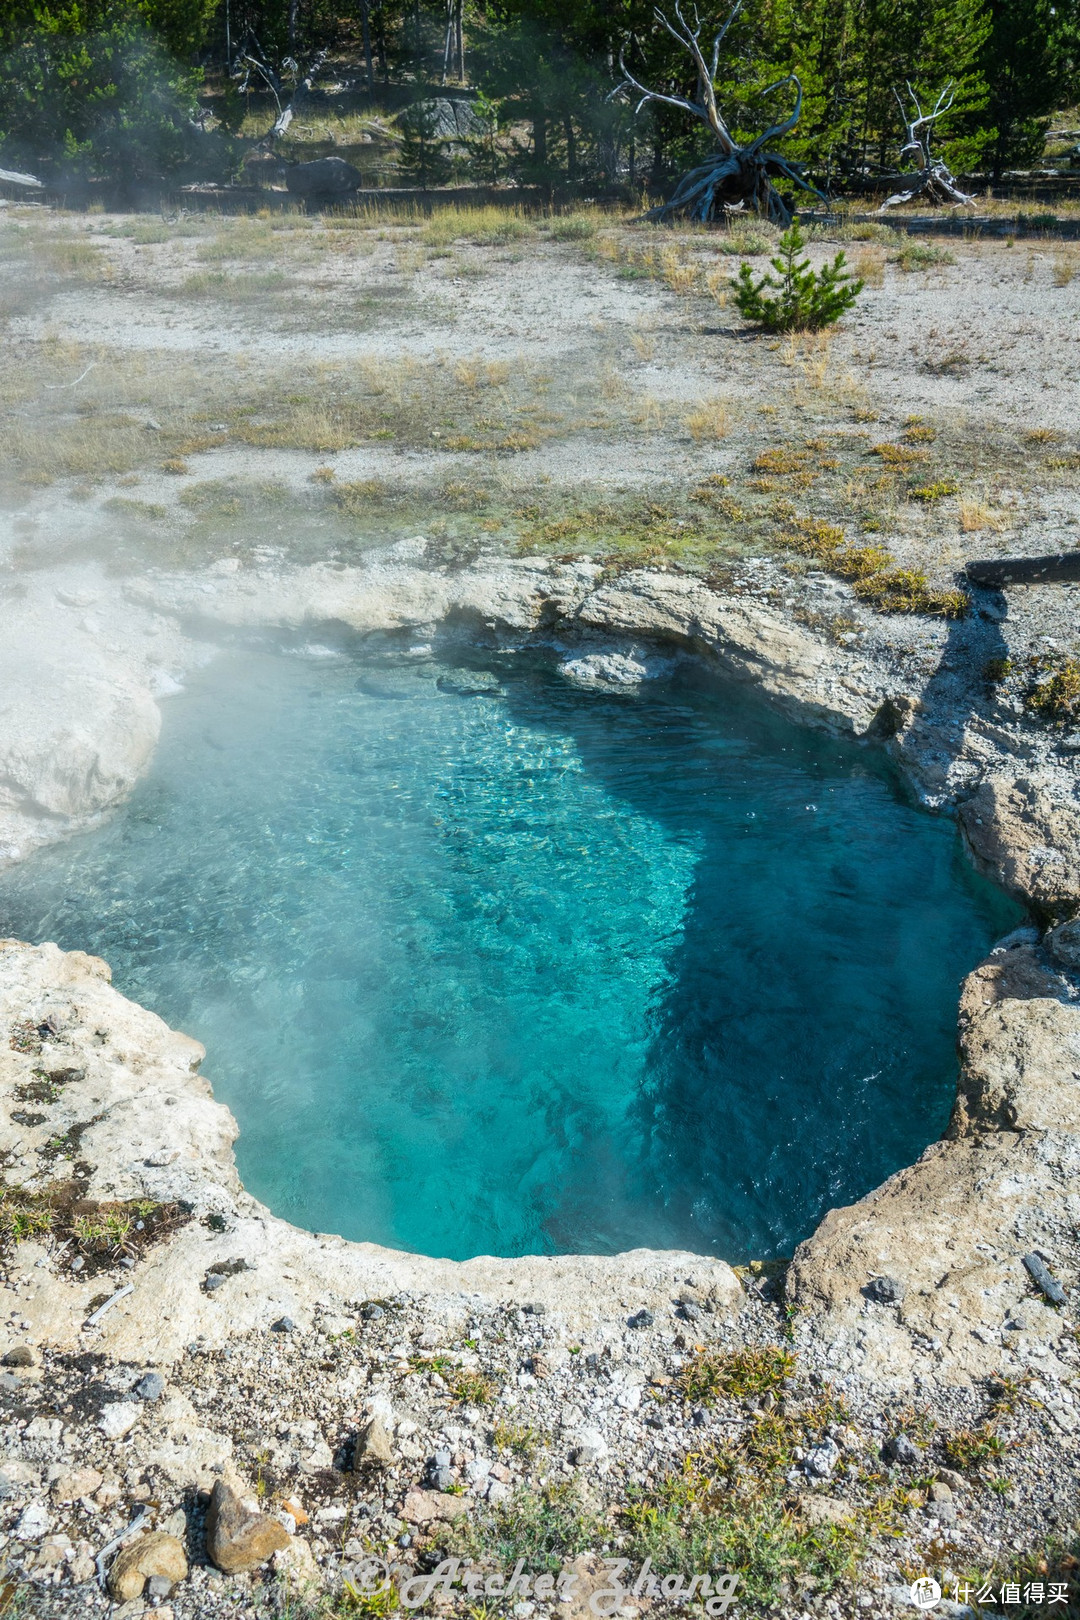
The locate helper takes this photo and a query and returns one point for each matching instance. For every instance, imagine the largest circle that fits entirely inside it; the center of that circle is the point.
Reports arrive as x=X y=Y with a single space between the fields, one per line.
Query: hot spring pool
x=487 y=964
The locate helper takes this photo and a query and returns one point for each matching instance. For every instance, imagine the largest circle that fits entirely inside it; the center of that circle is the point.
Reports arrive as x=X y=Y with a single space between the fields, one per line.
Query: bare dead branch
x=736 y=177
x=933 y=181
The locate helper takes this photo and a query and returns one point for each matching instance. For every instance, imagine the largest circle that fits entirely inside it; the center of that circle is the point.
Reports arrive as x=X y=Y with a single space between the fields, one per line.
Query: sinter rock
x=238 y=1537
x=902 y=1450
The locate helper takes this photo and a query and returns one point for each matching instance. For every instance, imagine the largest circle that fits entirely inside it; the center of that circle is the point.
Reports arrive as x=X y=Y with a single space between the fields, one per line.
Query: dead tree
x=252 y=62
x=933 y=180
x=734 y=177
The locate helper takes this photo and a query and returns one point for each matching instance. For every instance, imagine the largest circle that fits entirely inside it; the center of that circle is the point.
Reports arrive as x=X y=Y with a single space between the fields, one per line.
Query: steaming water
x=532 y=970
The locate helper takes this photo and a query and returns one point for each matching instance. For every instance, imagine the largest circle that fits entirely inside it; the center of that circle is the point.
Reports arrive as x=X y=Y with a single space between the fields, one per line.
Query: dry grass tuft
x=870 y=266
x=901 y=457
x=644 y=344
x=711 y=420
x=975 y=514
x=648 y=413
x=478 y=373
x=1064 y=268
x=680 y=276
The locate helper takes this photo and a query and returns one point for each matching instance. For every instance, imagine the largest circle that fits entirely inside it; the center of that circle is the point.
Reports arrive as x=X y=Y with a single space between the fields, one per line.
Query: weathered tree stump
x=735 y=177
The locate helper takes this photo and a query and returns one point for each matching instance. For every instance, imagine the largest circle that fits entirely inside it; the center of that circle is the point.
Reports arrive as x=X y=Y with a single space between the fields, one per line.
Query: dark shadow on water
x=802 y=1048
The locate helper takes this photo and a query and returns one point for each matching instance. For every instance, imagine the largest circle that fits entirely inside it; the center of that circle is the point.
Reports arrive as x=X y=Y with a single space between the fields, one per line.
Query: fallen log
x=1060 y=567
x=11 y=177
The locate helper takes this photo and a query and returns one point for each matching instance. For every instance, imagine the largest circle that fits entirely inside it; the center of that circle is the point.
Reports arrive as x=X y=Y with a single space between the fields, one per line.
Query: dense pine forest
x=156 y=88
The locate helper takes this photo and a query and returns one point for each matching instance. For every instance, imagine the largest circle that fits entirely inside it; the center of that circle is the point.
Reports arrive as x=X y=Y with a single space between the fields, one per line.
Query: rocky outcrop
x=519 y=597
x=954 y=1228
x=797 y=669
x=1025 y=829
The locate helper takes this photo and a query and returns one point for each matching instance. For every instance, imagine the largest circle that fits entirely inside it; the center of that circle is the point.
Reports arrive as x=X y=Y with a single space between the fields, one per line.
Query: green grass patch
x=733 y=1375
x=872 y=572
x=545 y=1527
x=921 y=256
x=100 y=1232
x=1055 y=696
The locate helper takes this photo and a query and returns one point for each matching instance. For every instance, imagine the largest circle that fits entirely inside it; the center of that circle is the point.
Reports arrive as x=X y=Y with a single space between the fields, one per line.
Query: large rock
x=238 y=1536
x=446 y=119
x=1026 y=830
x=373 y=1448
x=153 y=1554
x=323 y=177
x=1018 y=1073
x=957 y=1223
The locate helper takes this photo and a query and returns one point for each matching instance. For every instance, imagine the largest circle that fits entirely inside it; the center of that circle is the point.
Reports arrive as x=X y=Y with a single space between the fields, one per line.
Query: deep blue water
x=536 y=970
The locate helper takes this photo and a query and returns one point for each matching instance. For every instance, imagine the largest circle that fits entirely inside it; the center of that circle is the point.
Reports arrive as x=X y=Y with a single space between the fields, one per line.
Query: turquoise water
x=486 y=964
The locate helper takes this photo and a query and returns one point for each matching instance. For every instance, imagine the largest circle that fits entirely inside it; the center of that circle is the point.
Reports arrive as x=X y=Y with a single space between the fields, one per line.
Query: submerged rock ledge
x=919 y=1287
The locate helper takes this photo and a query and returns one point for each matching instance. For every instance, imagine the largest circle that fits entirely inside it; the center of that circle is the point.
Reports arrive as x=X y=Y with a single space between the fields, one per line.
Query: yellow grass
x=1064 y=268
x=644 y=344
x=975 y=514
x=870 y=266
x=711 y=420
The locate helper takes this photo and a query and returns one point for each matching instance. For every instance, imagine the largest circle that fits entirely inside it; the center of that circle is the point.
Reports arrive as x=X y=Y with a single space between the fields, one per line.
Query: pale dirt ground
x=986 y=348
x=306 y=375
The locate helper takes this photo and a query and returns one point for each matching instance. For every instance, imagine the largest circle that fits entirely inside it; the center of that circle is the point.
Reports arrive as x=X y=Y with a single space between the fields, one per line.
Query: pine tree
x=1031 y=61
x=422 y=155
x=806 y=300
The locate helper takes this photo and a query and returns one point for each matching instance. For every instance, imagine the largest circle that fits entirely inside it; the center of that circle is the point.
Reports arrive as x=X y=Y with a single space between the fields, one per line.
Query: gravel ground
x=504 y=1409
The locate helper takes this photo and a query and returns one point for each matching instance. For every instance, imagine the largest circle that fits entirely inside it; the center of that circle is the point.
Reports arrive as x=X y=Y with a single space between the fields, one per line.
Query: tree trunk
x=571 y=148
x=540 y=139
x=294 y=8
x=1059 y=567
x=365 y=26
x=380 y=41
x=448 y=43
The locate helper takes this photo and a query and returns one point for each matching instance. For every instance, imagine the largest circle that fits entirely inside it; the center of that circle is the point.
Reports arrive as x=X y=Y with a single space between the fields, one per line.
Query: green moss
x=1056 y=698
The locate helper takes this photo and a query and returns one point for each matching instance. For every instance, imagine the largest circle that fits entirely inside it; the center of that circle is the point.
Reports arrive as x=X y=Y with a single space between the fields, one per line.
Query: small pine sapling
x=422 y=155
x=806 y=300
